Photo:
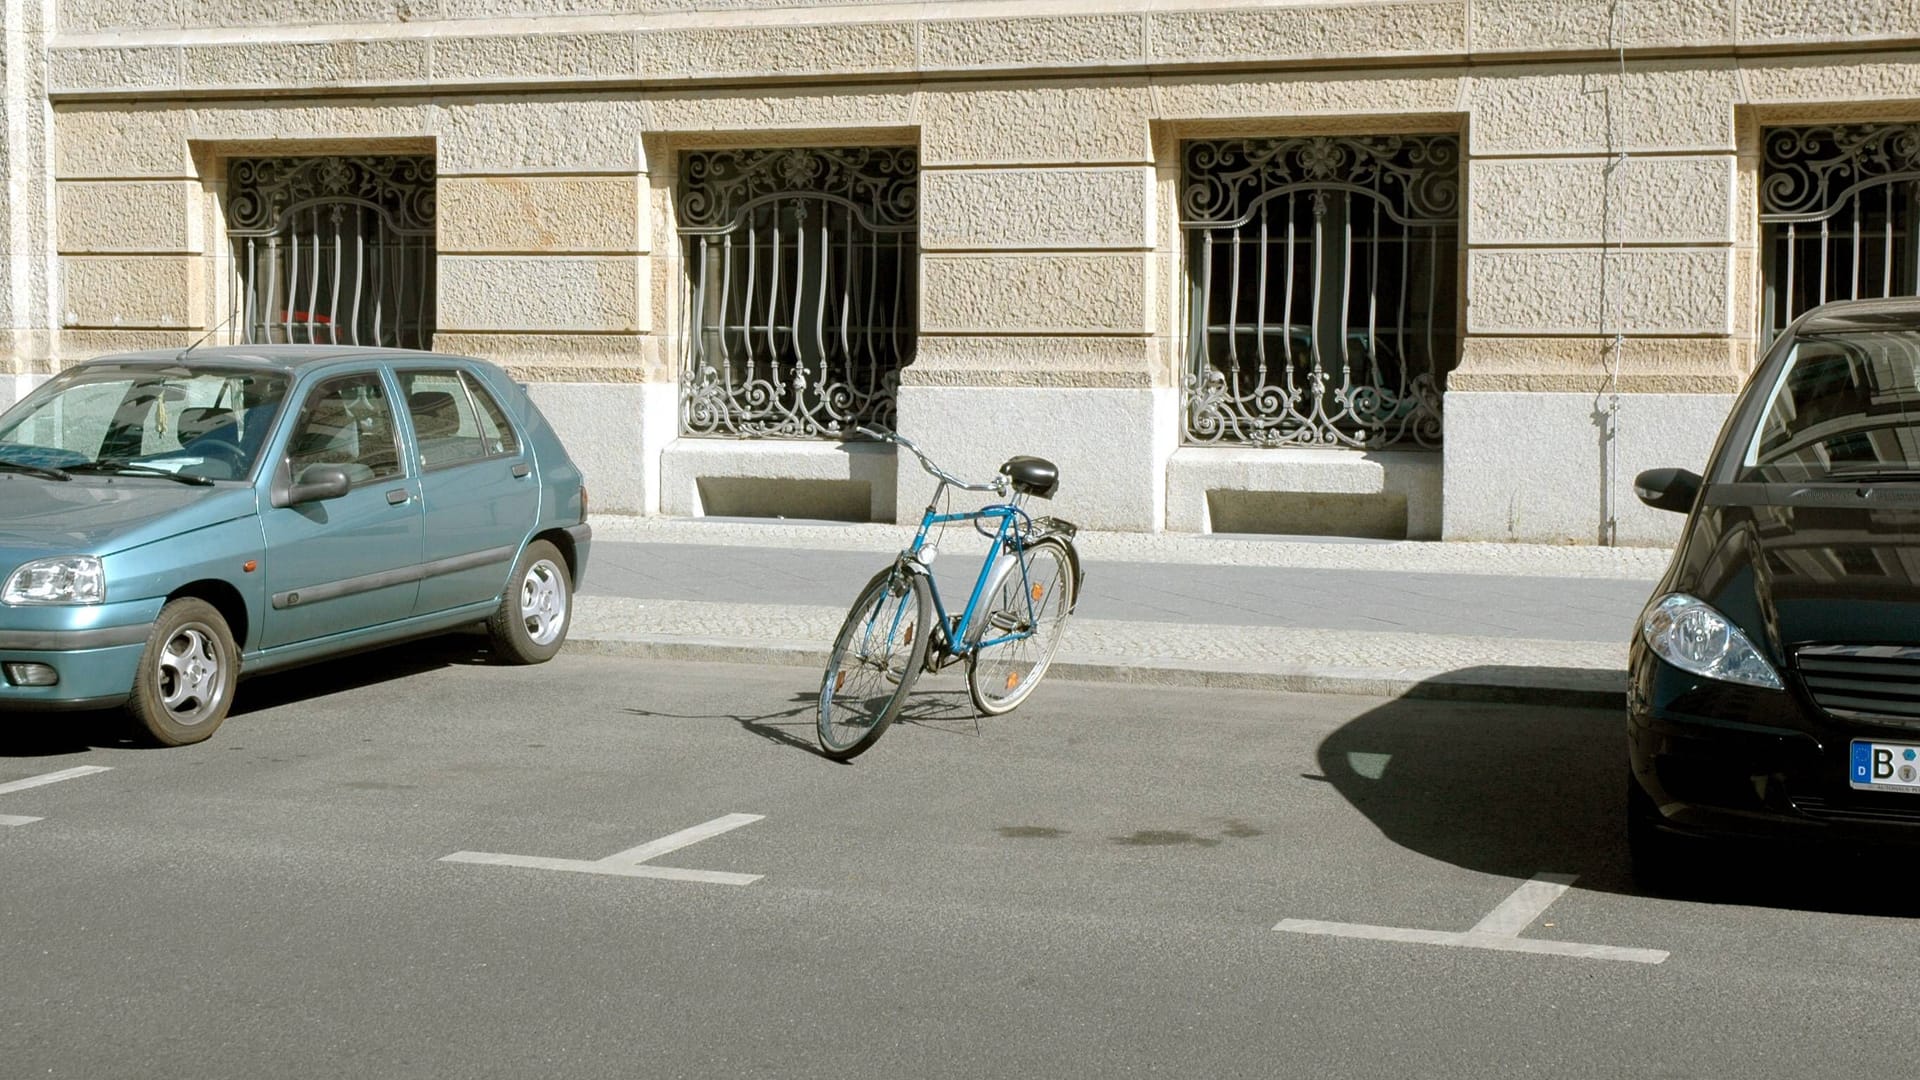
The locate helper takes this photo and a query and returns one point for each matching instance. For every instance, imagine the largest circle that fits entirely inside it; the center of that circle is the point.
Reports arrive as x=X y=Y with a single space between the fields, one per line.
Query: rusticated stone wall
x=1609 y=203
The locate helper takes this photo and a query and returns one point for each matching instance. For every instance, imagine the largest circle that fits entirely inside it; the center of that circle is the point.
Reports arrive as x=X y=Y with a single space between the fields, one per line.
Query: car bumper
x=582 y=537
x=1733 y=762
x=93 y=651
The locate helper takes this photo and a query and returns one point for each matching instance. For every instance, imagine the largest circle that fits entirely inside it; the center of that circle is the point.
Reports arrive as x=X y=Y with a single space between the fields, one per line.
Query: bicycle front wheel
x=876 y=657
x=1025 y=615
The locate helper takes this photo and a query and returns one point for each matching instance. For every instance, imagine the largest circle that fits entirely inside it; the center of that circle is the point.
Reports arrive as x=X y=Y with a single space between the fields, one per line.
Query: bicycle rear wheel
x=876 y=657
x=1029 y=610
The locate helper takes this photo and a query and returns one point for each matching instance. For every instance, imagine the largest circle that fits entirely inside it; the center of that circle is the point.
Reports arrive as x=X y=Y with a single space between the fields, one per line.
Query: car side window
x=347 y=422
x=494 y=427
x=447 y=425
x=444 y=426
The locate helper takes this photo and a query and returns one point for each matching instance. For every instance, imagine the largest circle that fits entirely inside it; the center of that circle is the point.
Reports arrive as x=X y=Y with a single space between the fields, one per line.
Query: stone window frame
x=1795 y=215
x=211 y=159
x=1171 y=137
x=666 y=153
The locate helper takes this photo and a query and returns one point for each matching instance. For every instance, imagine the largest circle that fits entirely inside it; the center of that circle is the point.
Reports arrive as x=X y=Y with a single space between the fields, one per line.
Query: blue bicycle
x=1007 y=633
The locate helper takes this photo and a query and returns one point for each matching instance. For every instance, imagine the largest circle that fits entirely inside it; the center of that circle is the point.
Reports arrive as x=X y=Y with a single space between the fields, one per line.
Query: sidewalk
x=1475 y=621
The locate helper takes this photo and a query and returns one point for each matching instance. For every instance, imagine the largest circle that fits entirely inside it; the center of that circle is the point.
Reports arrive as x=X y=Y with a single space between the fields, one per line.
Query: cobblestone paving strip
x=1527 y=560
x=802 y=633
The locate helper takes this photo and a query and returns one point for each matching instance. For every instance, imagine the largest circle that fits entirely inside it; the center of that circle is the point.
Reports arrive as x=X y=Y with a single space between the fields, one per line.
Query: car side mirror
x=1668 y=489
x=318 y=482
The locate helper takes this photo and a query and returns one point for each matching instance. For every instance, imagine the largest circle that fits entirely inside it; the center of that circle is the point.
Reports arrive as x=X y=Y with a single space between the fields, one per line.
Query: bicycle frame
x=952 y=637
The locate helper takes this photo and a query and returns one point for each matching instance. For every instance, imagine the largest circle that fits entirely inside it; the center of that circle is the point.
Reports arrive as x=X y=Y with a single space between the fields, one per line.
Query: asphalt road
x=1087 y=888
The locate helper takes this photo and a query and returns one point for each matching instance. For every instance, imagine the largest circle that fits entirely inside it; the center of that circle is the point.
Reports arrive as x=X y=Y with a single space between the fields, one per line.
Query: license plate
x=1885 y=766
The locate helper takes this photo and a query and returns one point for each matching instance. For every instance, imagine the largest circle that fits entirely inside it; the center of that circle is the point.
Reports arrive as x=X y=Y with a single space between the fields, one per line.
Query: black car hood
x=1827 y=565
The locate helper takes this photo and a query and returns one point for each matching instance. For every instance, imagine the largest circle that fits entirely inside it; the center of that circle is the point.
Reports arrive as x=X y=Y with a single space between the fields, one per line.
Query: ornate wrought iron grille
x=803 y=281
x=1837 y=210
x=333 y=250
x=1324 y=288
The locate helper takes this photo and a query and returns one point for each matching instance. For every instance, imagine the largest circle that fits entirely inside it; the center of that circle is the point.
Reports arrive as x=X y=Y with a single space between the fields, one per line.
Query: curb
x=1563 y=687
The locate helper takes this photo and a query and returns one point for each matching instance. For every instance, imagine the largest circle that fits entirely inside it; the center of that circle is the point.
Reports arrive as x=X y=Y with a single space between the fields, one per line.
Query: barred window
x=1837 y=210
x=333 y=250
x=1324 y=288
x=802 y=277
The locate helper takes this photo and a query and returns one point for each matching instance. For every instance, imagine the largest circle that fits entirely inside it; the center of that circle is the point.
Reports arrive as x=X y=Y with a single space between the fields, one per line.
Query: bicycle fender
x=1053 y=528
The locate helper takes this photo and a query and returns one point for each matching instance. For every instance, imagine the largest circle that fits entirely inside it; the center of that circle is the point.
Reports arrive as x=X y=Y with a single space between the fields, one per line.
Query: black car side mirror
x=319 y=482
x=1668 y=489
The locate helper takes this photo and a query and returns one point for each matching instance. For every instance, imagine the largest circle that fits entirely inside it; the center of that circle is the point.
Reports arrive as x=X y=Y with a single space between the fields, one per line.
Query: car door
x=477 y=483
x=338 y=565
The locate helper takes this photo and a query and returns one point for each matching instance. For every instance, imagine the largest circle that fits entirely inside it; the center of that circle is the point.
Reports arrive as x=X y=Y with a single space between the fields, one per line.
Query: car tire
x=1661 y=862
x=537 y=608
x=184 y=684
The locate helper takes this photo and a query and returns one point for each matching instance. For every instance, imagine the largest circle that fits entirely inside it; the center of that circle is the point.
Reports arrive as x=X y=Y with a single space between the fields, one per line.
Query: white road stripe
x=7 y=820
x=51 y=778
x=1527 y=903
x=1473 y=940
x=682 y=838
x=601 y=866
x=628 y=863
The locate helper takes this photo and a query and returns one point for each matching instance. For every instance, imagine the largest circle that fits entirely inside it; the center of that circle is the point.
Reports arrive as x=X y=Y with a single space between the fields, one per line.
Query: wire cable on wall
x=1611 y=244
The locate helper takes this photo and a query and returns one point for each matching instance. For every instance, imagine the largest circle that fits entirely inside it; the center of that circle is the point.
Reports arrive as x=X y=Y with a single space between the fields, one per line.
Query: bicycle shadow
x=794 y=727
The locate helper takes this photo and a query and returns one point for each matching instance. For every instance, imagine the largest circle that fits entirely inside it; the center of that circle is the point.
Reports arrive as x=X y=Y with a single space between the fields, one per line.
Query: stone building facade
x=1437 y=268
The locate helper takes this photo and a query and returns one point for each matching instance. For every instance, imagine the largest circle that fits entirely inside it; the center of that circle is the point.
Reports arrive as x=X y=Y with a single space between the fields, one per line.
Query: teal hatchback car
x=171 y=521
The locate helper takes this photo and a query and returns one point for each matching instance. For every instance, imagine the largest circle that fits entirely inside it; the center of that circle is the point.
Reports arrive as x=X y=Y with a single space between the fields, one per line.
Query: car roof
x=1892 y=314
x=291 y=358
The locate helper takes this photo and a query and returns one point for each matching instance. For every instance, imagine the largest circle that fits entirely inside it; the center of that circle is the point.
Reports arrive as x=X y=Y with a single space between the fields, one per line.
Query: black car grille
x=1879 y=814
x=1880 y=683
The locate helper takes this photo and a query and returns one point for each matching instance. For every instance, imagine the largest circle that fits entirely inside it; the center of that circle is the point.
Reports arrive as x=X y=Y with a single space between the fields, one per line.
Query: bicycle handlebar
x=998 y=485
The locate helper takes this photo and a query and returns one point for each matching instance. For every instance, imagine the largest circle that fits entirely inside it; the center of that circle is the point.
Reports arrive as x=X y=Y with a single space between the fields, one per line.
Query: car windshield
x=1845 y=406
x=188 y=420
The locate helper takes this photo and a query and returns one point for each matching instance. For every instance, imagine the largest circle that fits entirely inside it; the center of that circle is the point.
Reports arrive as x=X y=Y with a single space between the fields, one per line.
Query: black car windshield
x=193 y=421
x=1844 y=407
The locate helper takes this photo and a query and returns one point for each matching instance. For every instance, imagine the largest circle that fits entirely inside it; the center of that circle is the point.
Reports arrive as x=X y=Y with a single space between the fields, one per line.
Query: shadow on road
x=49 y=734
x=352 y=672
x=793 y=727
x=1517 y=790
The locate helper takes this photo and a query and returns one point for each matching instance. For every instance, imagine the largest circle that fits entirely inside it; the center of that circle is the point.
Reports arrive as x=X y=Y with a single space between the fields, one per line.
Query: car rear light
x=583 y=504
x=32 y=675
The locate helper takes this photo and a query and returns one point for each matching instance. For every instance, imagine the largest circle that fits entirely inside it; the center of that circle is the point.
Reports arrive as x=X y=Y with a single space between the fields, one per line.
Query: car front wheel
x=532 y=622
x=185 y=682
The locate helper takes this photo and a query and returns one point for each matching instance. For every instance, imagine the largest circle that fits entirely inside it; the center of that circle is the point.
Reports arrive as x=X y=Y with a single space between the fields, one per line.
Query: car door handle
x=521 y=470
x=397 y=497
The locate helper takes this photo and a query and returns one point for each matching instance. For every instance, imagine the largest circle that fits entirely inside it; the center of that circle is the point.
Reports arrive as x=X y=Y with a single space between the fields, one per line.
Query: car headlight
x=69 y=579
x=1689 y=634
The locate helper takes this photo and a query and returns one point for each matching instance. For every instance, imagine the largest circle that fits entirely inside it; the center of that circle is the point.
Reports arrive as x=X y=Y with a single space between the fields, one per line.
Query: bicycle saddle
x=1032 y=476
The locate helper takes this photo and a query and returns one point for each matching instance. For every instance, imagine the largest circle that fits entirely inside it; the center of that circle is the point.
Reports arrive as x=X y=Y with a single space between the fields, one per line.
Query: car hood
x=1811 y=567
x=102 y=515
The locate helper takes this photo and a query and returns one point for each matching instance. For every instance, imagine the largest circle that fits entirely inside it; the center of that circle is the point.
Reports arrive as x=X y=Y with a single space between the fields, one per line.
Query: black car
x=1774 y=683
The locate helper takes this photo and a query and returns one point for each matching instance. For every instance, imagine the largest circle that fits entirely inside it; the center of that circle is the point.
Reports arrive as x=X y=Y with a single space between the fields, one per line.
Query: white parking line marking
x=1499 y=931
x=628 y=863
x=1469 y=939
x=683 y=838
x=44 y=779
x=1527 y=903
x=7 y=820
x=601 y=866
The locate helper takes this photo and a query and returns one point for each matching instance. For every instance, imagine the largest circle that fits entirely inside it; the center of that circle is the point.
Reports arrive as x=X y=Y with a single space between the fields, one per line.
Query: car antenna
x=203 y=337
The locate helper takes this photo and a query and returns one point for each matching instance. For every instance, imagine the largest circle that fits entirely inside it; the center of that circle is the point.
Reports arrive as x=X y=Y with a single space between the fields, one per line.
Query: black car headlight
x=1689 y=634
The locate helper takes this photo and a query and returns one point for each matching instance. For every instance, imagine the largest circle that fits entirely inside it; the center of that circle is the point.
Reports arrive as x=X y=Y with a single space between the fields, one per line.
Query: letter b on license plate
x=1885 y=766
